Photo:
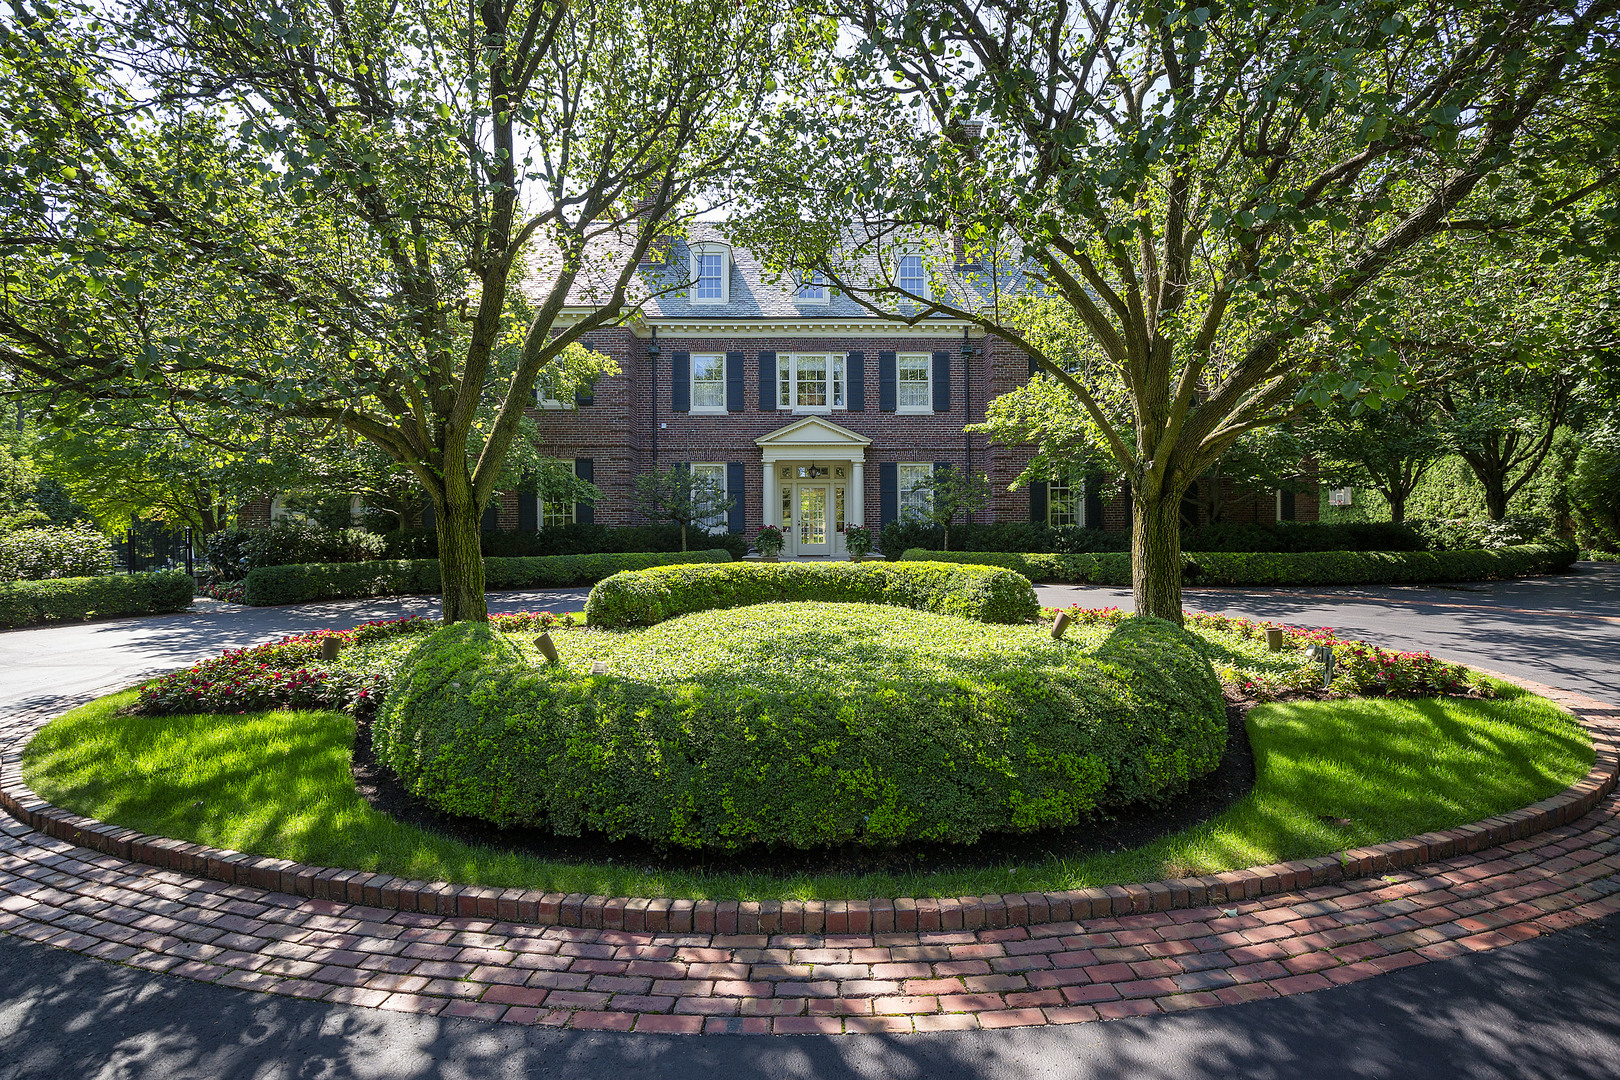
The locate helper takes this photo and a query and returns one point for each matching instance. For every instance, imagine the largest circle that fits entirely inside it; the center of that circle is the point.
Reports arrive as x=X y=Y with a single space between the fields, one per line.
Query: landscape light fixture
x=1323 y=654
x=1060 y=624
x=329 y=648
x=546 y=647
x=1274 y=638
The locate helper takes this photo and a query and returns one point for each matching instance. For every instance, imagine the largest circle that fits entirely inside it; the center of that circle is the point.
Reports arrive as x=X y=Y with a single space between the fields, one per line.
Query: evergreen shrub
x=302 y=583
x=801 y=725
x=54 y=551
x=30 y=603
x=642 y=598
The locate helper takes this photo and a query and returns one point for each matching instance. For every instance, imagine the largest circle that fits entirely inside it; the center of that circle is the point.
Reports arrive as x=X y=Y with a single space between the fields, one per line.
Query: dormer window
x=711 y=274
x=913 y=278
x=812 y=289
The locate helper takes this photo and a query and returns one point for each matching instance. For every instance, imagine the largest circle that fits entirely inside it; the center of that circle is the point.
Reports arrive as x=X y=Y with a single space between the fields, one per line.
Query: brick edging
x=662 y=914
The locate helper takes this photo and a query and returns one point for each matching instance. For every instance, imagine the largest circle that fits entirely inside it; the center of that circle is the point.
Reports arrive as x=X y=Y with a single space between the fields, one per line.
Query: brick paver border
x=658 y=964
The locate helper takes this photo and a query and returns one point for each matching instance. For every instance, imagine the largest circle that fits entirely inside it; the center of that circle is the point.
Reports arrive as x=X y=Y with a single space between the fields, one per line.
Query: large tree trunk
x=461 y=565
x=1496 y=498
x=1156 y=554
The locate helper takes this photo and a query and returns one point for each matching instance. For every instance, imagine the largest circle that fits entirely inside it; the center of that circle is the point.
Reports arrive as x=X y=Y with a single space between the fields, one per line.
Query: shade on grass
x=1332 y=775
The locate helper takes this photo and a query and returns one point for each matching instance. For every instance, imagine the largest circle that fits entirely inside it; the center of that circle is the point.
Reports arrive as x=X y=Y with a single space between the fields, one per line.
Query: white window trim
x=725 y=488
x=550 y=404
x=1077 y=493
x=816 y=278
x=697 y=251
x=927 y=293
x=540 y=506
x=900 y=474
x=928 y=369
x=789 y=363
x=691 y=389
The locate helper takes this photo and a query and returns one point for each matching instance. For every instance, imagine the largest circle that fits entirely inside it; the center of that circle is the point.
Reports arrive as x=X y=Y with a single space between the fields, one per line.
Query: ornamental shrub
x=1466 y=534
x=643 y=598
x=30 y=603
x=1261 y=568
x=403 y=577
x=237 y=551
x=801 y=725
x=57 y=551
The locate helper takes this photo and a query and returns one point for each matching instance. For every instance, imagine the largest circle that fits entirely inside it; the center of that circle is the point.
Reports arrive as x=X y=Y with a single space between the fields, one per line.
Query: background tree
x=368 y=215
x=684 y=497
x=947 y=494
x=1389 y=449
x=1209 y=189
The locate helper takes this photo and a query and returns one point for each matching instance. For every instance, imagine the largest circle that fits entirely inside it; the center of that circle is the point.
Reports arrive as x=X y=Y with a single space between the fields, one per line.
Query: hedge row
x=700 y=736
x=646 y=597
x=1260 y=568
x=29 y=603
x=304 y=582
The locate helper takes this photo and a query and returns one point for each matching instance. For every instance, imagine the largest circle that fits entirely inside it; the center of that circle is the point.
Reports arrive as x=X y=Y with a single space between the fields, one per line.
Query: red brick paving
x=906 y=965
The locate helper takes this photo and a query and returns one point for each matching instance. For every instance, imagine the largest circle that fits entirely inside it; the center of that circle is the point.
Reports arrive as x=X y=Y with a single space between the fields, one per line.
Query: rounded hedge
x=644 y=597
x=801 y=725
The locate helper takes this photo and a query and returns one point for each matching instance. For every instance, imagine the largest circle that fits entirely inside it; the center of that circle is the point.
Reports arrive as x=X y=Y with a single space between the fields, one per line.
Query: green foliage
x=303 y=582
x=802 y=725
x=899 y=536
x=686 y=498
x=576 y=539
x=1469 y=535
x=29 y=603
x=648 y=597
x=1594 y=488
x=54 y=552
x=237 y=551
x=948 y=494
x=1267 y=568
x=1305 y=536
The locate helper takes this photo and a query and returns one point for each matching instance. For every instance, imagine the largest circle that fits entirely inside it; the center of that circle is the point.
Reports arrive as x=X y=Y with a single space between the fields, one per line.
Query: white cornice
x=776 y=326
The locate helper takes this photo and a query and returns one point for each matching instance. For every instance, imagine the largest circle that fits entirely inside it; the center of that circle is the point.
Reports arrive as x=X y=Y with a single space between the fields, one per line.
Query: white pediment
x=812 y=431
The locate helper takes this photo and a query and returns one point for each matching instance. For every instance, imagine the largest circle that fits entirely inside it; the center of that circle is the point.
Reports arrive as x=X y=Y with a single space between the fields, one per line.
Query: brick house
x=813 y=413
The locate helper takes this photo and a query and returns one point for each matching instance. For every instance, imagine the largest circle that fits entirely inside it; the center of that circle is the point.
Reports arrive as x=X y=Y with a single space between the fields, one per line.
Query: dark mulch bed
x=1124 y=828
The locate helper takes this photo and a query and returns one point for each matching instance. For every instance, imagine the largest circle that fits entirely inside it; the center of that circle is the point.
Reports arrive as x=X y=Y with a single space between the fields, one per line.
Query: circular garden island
x=843 y=731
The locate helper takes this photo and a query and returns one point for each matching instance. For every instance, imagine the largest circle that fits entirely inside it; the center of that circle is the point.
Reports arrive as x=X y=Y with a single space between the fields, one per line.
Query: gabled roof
x=813 y=431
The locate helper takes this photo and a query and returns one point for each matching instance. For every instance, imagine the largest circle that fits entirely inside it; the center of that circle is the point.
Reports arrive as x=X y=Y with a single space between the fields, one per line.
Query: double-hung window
x=715 y=474
x=1065 y=497
x=810 y=382
x=914 y=384
x=812 y=289
x=711 y=273
x=912 y=277
x=557 y=513
x=916 y=488
x=709 y=382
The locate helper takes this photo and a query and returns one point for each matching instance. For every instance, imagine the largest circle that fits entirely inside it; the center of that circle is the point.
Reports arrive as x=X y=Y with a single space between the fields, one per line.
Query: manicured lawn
x=1332 y=775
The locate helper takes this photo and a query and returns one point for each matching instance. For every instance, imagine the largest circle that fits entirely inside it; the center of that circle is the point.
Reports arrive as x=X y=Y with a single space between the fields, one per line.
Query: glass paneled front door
x=813 y=535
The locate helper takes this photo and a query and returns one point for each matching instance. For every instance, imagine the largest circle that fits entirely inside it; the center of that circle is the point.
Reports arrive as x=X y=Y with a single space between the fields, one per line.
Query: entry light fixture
x=968 y=348
x=652 y=346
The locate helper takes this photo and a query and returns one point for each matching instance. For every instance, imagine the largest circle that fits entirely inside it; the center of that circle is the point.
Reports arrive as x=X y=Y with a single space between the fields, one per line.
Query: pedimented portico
x=815 y=479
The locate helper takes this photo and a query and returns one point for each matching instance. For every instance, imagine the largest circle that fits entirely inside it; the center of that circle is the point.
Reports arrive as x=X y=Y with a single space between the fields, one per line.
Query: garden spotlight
x=547 y=649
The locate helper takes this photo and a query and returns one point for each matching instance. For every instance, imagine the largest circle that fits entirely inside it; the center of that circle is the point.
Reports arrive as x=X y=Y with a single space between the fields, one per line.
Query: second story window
x=913 y=385
x=710 y=267
x=711 y=273
x=812 y=289
x=708 y=382
x=912 y=278
x=810 y=382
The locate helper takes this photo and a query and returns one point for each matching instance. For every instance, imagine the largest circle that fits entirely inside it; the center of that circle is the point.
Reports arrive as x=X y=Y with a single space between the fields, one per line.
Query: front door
x=814 y=536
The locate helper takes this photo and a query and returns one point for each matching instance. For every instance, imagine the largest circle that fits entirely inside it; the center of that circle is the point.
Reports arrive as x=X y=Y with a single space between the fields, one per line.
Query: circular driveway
x=1543 y=1008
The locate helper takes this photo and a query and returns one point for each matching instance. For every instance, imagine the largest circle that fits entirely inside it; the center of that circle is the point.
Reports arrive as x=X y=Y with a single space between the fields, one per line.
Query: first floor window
x=557 y=513
x=914 y=386
x=916 y=491
x=709 y=382
x=715 y=474
x=1065 y=496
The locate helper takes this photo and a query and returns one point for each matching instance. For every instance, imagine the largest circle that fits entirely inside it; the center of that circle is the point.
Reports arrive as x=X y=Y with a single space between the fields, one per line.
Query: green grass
x=278 y=784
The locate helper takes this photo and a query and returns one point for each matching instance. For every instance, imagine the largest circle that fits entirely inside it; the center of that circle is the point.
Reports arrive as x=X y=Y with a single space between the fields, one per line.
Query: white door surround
x=817 y=456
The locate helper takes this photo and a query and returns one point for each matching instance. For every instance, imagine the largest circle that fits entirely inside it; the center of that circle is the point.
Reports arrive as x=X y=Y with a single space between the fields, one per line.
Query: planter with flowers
x=858 y=542
x=768 y=543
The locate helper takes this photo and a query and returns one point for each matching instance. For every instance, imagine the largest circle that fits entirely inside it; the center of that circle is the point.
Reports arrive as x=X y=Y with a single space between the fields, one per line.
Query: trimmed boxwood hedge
x=645 y=597
x=29 y=603
x=801 y=725
x=1263 y=568
x=302 y=582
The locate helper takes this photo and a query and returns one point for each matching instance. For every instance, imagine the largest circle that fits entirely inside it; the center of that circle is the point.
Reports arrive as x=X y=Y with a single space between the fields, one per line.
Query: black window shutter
x=586 y=396
x=1287 y=506
x=1034 y=365
x=734 y=491
x=585 y=512
x=734 y=382
x=888 y=489
x=528 y=508
x=680 y=390
x=1094 y=502
x=1037 y=502
x=941 y=466
x=886 y=382
x=855 y=381
x=942 y=382
x=492 y=516
x=767 y=381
